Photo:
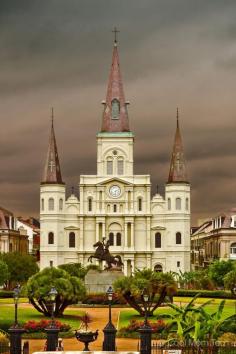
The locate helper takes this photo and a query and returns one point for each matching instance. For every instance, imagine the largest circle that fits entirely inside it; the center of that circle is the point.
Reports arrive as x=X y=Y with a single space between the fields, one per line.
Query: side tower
x=177 y=194
x=52 y=201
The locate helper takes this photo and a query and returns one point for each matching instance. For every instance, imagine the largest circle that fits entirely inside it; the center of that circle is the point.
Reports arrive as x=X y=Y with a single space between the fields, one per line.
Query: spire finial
x=52 y=115
x=115 y=31
x=177 y=116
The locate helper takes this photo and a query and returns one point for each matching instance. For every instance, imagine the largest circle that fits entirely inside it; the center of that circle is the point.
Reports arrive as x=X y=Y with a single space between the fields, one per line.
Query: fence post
x=15 y=339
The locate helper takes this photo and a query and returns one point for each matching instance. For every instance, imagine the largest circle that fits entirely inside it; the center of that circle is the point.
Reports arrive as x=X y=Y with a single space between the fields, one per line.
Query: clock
x=115 y=191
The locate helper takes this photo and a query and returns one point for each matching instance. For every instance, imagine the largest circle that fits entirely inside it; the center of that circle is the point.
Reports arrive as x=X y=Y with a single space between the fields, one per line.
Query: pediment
x=157 y=227
x=71 y=228
x=114 y=179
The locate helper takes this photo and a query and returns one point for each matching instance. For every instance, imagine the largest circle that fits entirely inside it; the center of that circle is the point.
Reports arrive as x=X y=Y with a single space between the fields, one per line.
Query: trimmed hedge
x=220 y=294
x=101 y=299
x=4 y=294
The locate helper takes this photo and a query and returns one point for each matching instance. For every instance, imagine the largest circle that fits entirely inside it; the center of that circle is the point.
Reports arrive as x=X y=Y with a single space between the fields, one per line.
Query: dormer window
x=115 y=108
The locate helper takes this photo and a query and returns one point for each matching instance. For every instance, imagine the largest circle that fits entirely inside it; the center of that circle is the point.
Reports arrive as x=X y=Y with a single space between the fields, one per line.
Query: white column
x=132 y=235
x=125 y=267
x=126 y=234
x=97 y=231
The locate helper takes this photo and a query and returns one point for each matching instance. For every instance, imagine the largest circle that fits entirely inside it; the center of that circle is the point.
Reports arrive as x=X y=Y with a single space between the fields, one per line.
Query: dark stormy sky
x=173 y=53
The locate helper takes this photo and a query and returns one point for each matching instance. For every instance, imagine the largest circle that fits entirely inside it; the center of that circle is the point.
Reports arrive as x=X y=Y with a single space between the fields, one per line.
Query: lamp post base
x=52 y=338
x=15 y=339
x=109 y=343
x=145 y=339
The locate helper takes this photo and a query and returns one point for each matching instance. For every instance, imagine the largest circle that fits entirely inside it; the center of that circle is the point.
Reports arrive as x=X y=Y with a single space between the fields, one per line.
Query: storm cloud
x=173 y=53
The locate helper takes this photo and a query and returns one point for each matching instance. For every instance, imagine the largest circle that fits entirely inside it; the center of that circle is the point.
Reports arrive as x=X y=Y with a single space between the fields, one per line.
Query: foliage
x=194 y=280
x=218 y=269
x=3 y=339
x=39 y=326
x=101 y=299
x=132 y=287
x=228 y=337
x=191 y=323
x=134 y=326
x=74 y=269
x=85 y=320
x=70 y=290
x=221 y=294
x=4 y=273
x=4 y=294
x=20 y=267
x=230 y=281
x=229 y=325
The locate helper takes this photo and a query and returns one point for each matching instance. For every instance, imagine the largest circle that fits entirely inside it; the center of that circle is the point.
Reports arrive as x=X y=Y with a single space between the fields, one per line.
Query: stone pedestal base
x=98 y=282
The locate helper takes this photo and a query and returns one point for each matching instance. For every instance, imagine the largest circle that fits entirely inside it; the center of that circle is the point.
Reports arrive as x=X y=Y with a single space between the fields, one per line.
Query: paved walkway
x=100 y=318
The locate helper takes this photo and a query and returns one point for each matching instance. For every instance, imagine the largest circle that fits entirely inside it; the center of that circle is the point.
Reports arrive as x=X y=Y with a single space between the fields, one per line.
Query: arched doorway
x=158 y=268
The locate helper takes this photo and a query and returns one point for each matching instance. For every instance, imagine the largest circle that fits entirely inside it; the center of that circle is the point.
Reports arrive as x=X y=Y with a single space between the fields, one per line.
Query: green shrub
x=228 y=326
x=221 y=294
x=4 y=294
x=101 y=299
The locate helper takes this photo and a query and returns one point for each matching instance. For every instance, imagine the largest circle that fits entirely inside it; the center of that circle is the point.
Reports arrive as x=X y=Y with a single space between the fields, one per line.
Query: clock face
x=115 y=191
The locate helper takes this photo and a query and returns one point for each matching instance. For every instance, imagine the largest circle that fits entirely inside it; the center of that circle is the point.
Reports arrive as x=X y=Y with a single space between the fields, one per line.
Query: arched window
x=158 y=268
x=50 y=204
x=42 y=204
x=109 y=166
x=139 y=204
x=233 y=248
x=158 y=240
x=114 y=208
x=169 y=203
x=51 y=238
x=115 y=108
x=61 y=204
x=71 y=239
x=90 y=204
x=178 y=238
x=186 y=204
x=111 y=239
x=118 y=239
x=120 y=166
x=178 y=204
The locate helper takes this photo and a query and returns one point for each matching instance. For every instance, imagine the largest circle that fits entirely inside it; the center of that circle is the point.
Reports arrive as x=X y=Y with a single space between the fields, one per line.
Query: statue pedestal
x=98 y=282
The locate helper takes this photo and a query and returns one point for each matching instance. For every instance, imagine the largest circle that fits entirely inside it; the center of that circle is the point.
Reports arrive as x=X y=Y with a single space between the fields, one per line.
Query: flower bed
x=36 y=329
x=131 y=331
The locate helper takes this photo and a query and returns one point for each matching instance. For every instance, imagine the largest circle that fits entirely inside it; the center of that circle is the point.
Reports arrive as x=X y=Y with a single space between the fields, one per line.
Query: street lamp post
x=16 y=330
x=109 y=343
x=52 y=331
x=145 y=331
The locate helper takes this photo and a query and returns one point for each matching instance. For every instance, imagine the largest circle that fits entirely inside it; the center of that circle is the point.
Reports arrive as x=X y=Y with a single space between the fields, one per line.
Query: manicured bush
x=221 y=294
x=4 y=294
x=39 y=326
x=131 y=331
x=101 y=299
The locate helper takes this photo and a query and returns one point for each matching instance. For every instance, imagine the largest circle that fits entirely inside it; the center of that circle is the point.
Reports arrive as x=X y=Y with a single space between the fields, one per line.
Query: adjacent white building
x=146 y=231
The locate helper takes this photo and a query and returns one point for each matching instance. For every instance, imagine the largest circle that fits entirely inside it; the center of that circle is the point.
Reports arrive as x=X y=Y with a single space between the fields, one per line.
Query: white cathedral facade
x=152 y=232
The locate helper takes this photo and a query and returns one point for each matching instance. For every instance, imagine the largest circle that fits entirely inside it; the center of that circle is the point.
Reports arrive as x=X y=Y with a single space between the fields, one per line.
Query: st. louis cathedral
x=146 y=231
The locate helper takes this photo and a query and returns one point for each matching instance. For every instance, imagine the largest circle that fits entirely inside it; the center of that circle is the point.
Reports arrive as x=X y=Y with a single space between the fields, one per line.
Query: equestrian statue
x=103 y=254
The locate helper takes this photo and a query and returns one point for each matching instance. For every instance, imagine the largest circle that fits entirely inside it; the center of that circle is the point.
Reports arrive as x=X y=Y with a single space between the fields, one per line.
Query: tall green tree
x=4 y=273
x=20 y=267
x=218 y=269
x=70 y=290
x=157 y=285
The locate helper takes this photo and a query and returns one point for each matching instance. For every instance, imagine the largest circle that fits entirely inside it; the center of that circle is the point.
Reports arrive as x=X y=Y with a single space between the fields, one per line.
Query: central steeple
x=115 y=115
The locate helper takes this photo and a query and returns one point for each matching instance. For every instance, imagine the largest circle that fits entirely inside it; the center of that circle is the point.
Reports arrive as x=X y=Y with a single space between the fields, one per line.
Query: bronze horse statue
x=103 y=254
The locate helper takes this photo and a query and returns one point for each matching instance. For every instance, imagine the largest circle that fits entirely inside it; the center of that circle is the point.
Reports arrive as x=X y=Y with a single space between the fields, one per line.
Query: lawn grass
x=127 y=315
x=25 y=314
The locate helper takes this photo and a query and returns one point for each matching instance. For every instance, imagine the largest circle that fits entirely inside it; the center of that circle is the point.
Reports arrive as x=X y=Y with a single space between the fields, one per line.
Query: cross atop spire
x=115 y=31
x=178 y=173
x=52 y=171
x=115 y=115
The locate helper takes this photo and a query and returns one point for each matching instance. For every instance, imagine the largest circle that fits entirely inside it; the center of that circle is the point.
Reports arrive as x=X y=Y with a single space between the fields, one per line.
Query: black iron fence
x=193 y=348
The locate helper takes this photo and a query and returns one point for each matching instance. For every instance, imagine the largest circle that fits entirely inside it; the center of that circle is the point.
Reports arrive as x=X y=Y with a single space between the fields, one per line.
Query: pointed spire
x=52 y=171
x=178 y=171
x=115 y=115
